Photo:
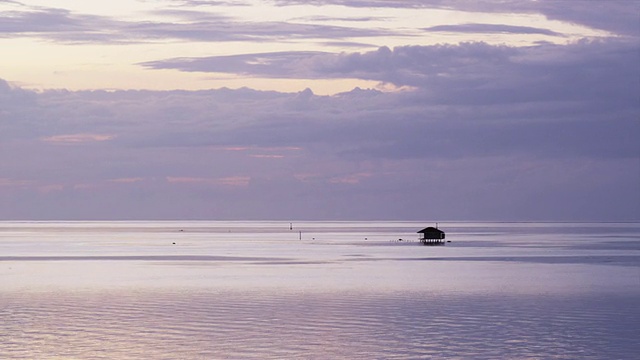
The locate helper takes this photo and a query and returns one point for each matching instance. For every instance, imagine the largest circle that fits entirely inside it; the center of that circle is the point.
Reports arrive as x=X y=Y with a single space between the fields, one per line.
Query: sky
x=509 y=110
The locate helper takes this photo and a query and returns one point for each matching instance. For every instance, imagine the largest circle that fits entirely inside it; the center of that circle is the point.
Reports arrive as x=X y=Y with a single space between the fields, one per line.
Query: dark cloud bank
x=485 y=132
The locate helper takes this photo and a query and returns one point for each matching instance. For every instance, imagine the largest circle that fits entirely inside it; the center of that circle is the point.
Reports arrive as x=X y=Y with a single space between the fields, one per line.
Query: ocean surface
x=318 y=290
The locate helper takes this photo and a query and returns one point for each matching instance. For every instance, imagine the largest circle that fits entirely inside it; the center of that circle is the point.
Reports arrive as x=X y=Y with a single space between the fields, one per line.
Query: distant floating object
x=431 y=236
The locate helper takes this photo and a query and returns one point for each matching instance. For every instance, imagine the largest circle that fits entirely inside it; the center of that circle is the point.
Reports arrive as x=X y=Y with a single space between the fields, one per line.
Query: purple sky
x=467 y=118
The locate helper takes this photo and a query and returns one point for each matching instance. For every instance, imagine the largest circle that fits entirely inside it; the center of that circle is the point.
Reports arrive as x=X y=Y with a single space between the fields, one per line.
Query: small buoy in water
x=174 y=243
x=399 y=239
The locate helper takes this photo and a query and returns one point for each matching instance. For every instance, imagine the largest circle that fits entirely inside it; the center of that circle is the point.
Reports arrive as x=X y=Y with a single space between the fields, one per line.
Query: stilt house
x=431 y=236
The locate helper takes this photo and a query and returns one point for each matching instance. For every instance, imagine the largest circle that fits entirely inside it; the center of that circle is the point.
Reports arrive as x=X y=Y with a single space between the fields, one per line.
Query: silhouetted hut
x=431 y=236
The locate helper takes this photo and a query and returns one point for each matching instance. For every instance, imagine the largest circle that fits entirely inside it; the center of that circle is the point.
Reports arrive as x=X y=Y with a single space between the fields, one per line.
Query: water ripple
x=276 y=325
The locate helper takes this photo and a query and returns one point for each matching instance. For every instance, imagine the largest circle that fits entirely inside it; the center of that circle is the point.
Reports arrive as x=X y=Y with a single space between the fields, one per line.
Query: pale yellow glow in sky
x=40 y=62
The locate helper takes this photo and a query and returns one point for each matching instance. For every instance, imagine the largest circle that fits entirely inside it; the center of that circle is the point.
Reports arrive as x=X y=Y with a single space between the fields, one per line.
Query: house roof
x=430 y=229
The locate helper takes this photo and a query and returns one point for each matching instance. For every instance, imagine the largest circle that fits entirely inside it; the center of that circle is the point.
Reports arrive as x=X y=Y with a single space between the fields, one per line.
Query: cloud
x=63 y=25
x=492 y=28
x=212 y=3
x=60 y=25
x=275 y=64
x=470 y=100
x=350 y=3
x=466 y=73
x=14 y=183
x=199 y=21
x=617 y=16
x=76 y=138
x=231 y=181
x=488 y=132
x=45 y=189
x=363 y=154
x=351 y=179
x=239 y=31
x=127 y=180
x=241 y=181
x=361 y=3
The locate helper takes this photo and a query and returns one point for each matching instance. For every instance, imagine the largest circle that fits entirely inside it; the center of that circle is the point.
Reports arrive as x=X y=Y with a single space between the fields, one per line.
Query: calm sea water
x=322 y=290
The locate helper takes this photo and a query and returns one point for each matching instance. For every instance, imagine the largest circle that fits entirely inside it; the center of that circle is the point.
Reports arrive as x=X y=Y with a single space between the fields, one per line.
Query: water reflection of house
x=431 y=236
